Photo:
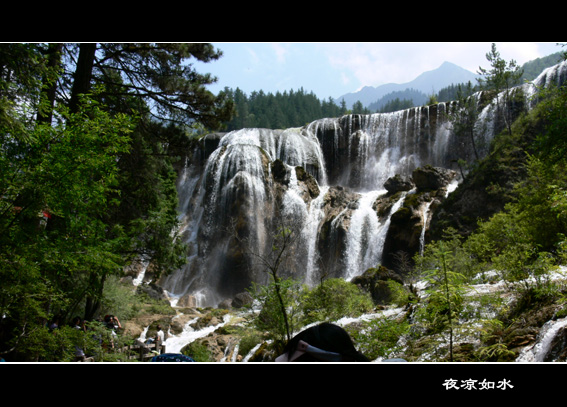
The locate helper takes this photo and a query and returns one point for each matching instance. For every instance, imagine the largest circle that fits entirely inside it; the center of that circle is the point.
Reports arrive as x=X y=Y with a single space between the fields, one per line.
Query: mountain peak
x=445 y=75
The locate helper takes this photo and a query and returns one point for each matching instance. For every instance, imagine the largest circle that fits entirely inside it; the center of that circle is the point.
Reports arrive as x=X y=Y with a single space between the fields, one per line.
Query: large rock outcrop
x=409 y=225
x=375 y=282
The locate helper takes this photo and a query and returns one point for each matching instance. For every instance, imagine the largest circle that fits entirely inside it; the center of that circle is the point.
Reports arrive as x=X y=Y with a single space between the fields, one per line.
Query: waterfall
x=309 y=234
x=425 y=218
x=366 y=235
x=364 y=229
x=231 y=181
x=540 y=351
x=174 y=343
x=236 y=184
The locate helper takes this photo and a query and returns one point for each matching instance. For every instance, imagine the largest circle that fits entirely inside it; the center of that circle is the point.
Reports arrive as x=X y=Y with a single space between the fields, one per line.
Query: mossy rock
x=402 y=215
x=375 y=282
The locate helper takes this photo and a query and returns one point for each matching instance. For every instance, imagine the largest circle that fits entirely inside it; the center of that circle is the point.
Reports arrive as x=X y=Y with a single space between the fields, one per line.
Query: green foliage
x=249 y=340
x=454 y=252
x=272 y=320
x=398 y=100
x=456 y=92
x=517 y=239
x=501 y=77
x=45 y=345
x=333 y=299
x=69 y=173
x=60 y=344
x=532 y=69
x=119 y=299
x=401 y=295
x=396 y=105
x=493 y=350
x=329 y=301
x=444 y=301
x=380 y=337
x=87 y=185
x=198 y=352
x=464 y=117
x=551 y=144
x=358 y=108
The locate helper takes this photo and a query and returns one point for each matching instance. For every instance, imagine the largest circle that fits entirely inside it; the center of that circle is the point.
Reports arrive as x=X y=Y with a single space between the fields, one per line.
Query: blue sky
x=334 y=69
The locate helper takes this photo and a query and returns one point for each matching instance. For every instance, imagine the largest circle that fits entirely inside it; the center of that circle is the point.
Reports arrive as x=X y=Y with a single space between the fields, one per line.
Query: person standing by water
x=78 y=324
x=160 y=337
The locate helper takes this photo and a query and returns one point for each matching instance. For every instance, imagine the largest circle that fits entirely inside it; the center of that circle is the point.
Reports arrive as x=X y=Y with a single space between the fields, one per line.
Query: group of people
x=158 y=339
x=325 y=342
x=111 y=322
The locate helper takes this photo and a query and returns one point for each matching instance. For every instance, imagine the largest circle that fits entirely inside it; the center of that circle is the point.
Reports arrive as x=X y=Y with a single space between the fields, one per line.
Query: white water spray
x=366 y=235
x=540 y=350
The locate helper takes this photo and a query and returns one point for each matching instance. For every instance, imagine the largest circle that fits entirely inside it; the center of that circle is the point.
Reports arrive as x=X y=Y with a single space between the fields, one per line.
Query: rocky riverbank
x=223 y=335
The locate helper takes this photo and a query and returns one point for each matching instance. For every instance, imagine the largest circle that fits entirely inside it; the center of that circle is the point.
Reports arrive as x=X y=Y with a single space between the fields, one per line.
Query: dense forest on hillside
x=282 y=110
x=297 y=108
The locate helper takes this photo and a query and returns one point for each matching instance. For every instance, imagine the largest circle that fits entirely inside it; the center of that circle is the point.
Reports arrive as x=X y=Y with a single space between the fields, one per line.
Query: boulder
x=558 y=347
x=398 y=183
x=241 y=300
x=225 y=304
x=375 y=281
x=430 y=178
x=279 y=172
x=187 y=301
x=153 y=291
x=309 y=181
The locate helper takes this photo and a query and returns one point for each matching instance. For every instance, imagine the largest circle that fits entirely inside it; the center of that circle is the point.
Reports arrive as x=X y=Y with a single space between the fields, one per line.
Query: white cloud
x=521 y=52
x=281 y=52
x=375 y=63
x=254 y=60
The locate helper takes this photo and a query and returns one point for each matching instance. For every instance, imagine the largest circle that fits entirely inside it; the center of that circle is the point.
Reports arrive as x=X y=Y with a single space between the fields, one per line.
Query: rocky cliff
x=363 y=187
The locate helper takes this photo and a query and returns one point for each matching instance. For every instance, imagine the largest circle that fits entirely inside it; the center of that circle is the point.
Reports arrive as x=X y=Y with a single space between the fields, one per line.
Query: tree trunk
x=93 y=302
x=47 y=102
x=83 y=74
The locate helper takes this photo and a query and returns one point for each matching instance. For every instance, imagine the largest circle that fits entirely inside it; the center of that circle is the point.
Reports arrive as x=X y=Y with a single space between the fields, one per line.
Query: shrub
x=335 y=298
x=380 y=337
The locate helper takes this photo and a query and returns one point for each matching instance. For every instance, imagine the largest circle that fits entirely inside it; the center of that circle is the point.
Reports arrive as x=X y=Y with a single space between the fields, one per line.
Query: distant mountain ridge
x=428 y=82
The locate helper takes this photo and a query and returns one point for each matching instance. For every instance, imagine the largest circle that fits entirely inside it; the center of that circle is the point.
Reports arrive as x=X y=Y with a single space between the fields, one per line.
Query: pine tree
x=502 y=77
x=90 y=134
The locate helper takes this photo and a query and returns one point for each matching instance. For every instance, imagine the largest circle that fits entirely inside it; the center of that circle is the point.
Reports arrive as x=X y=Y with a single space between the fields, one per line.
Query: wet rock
x=558 y=347
x=153 y=291
x=375 y=281
x=241 y=300
x=308 y=181
x=279 y=172
x=430 y=178
x=398 y=183
x=187 y=301
x=412 y=219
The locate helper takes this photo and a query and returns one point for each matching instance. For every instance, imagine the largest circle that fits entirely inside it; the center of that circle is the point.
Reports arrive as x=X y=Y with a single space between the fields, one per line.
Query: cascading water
x=364 y=151
x=541 y=350
x=235 y=184
x=366 y=235
x=314 y=216
x=425 y=218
